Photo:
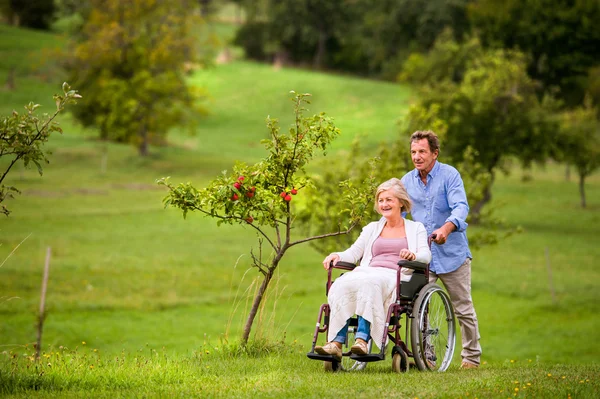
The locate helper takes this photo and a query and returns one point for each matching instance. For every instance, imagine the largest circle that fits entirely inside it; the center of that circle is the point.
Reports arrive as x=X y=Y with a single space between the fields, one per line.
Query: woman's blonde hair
x=399 y=191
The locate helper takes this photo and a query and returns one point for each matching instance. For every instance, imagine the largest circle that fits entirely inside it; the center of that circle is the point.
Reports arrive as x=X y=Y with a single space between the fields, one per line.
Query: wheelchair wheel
x=399 y=360
x=332 y=366
x=347 y=363
x=432 y=330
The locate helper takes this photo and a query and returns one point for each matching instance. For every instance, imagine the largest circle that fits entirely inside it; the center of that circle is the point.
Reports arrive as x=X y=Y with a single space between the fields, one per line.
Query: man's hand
x=441 y=234
x=327 y=261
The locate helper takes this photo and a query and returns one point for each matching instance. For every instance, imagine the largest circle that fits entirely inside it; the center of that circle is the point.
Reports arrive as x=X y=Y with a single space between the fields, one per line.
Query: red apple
x=253 y=189
x=249 y=194
x=241 y=178
x=234 y=197
x=294 y=191
x=283 y=194
x=249 y=219
x=237 y=185
x=288 y=198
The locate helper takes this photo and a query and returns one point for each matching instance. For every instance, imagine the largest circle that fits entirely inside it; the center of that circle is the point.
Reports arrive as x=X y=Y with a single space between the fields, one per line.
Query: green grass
x=213 y=372
x=129 y=277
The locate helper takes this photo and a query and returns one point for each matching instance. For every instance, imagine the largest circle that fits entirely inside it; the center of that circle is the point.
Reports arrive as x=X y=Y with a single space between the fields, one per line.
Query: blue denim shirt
x=442 y=200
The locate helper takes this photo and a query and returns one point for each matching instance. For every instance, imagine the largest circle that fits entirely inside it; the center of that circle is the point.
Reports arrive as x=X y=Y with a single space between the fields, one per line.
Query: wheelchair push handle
x=430 y=239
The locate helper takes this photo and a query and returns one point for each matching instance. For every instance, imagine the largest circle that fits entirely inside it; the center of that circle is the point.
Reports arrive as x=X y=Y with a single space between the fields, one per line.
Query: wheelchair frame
x=431 y=316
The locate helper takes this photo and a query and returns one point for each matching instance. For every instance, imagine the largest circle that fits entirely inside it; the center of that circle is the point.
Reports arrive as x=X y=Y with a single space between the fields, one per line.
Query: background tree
x=561 y=37
x=306 y=29
x=36 y=14
x=492 y=107
x=131 y=57
x=391 y=30
x=23 y=135
x=579 y=142
x=261 y=196
x=367 y=37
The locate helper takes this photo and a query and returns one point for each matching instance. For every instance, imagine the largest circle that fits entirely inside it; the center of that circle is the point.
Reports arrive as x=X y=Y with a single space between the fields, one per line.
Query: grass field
x=159 y=301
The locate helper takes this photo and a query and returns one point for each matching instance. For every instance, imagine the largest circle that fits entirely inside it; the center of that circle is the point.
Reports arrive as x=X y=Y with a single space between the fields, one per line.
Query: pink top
x=386 y=252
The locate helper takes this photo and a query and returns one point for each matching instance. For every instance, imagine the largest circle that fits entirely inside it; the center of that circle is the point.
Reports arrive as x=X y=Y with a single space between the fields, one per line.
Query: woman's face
x=388 y=204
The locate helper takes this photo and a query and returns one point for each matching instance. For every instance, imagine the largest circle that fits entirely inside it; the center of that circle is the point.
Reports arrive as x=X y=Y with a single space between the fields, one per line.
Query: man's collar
x=434 y=171
x=436 y=168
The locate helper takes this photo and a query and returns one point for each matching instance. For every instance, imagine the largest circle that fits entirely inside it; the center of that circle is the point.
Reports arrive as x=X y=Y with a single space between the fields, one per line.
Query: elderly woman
x=370 y=288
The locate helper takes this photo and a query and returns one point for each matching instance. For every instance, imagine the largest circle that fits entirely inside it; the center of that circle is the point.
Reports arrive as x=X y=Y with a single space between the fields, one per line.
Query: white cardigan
x=416 y=235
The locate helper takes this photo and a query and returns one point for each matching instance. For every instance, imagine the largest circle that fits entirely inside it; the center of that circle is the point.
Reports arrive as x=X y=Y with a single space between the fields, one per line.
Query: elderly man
x=440 y=203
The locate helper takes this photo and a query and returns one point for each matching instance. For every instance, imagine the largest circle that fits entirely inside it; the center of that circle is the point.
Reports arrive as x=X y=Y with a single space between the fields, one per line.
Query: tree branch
x=323 y=235
x=238 y=218
x=9 y=167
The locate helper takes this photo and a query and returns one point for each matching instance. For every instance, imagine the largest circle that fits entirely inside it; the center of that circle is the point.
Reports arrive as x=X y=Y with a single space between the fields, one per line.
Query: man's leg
x=458 y=285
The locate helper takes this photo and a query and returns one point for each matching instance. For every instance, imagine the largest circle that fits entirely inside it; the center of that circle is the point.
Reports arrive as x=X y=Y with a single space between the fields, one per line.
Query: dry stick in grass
x=42 y=314
x=554 y=300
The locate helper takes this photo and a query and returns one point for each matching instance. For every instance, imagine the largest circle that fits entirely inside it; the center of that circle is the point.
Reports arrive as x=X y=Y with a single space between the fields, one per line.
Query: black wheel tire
x=433 y=306
x=400 y=361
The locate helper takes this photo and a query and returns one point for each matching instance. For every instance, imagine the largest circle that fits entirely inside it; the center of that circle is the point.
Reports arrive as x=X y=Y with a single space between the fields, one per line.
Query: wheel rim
x=435 y=332
x=347 y=363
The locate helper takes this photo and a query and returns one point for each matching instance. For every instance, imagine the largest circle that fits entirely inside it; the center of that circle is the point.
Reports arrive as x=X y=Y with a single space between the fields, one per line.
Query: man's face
x=421 y=155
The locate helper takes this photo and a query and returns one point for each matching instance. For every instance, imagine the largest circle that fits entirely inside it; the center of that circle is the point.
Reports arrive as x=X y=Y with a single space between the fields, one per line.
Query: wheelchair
x=428 y=320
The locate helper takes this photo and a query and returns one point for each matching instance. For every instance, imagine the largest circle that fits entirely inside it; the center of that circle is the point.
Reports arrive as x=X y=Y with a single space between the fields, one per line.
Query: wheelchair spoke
x=432 y=332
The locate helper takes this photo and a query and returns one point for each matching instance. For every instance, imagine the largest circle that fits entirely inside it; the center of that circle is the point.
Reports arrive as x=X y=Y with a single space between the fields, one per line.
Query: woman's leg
x=342 y=334
x=364 y=329
x=362 y=332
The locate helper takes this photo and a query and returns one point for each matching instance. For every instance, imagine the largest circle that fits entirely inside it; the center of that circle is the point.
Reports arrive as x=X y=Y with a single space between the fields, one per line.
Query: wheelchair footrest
x=371 y=357
x=325 y=358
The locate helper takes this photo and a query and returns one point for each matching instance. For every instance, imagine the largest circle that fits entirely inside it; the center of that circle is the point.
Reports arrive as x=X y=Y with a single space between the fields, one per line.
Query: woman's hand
x=406 y=254
x=327 y=261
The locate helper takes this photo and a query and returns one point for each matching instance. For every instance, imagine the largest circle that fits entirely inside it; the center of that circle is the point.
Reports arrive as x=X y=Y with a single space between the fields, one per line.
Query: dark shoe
x=330 y=349
x=360 y=347
x=467 y=365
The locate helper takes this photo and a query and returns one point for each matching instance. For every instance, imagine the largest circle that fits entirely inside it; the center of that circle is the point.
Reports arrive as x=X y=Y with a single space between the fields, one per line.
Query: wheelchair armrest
x=411 y=264
x=344 y=265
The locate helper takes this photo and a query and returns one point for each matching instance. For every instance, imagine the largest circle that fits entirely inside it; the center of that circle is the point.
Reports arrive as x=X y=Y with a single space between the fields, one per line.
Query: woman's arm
x=357 y=250
x=423 y=253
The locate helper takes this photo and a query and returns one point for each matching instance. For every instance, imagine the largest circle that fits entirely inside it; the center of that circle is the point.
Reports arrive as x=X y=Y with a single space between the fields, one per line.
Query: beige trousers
x=458 y=285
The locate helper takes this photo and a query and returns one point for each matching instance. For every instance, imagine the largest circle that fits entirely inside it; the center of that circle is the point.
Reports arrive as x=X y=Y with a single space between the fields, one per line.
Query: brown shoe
x=330 y=349
x=360 y=347
x=467 y=365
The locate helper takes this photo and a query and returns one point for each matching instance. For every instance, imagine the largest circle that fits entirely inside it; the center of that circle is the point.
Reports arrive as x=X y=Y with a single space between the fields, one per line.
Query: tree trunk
x=205 y=7
x=144 y=140
x=582 y=189
x=476 y=209
x=256 y=304
x=321 y=50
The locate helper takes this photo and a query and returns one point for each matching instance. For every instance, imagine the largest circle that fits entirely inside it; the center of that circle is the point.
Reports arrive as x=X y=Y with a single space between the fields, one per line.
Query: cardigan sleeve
x=423 y=253
x=357 y=250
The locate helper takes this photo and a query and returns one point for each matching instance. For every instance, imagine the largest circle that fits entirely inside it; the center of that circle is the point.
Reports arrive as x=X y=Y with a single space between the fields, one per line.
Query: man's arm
x=459 y=209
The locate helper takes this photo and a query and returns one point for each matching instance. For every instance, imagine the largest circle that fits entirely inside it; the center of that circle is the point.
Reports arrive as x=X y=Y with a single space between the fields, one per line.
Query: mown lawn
x=135 y=281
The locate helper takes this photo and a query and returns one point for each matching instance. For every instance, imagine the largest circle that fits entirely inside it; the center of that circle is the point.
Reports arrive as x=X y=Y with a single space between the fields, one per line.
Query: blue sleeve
x=403 y=180
x=457 y=200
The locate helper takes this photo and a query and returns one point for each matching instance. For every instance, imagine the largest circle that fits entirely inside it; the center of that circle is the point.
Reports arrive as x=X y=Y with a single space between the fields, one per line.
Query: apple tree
x=263 y=195
x=23 y=135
